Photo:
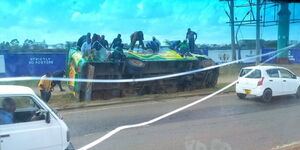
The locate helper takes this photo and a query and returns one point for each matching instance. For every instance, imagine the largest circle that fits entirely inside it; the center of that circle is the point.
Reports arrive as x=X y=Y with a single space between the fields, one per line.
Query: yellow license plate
x=248 y=92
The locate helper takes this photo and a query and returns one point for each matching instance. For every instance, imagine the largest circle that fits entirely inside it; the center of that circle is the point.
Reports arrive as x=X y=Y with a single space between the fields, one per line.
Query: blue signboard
x=33 y=64
x=294 y=56
x=265 y=58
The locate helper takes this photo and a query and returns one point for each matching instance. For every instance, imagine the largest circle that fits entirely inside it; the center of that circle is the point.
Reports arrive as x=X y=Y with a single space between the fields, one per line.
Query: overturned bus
x=138 y=65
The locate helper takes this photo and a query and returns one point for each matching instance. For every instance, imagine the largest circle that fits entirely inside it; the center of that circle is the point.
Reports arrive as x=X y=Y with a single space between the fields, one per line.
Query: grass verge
x=67 y=100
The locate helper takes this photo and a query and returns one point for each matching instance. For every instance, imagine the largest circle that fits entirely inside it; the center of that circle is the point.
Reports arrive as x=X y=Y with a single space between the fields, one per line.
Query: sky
x=57 y=21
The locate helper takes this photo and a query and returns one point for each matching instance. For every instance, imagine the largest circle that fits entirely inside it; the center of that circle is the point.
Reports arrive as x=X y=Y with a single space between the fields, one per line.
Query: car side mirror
x=47 y=117
x=294 y=76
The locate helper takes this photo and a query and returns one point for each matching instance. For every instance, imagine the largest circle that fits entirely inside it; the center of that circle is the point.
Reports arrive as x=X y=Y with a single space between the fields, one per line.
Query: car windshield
x=150 y=74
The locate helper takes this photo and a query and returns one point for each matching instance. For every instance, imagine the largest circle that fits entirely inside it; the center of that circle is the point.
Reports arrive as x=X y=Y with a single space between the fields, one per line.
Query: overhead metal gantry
x=266 y=13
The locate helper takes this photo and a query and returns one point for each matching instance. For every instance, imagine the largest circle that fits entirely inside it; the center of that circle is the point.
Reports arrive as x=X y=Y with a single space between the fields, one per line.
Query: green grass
x=232 y=70
x=67 y=99
x=32 y=84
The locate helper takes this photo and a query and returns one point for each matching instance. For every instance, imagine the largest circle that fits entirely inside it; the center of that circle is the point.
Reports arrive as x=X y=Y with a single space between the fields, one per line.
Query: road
x=222 y=122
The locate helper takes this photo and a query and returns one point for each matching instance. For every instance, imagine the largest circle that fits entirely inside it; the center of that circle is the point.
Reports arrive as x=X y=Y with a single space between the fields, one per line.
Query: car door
x=274 y=81
x=25 y=133
x=289 y=81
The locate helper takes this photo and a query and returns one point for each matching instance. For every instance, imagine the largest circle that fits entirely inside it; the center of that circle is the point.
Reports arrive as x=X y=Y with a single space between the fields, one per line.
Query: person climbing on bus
x=86 y=46
x=96 y=47
x=96 y=42
x=116 y=42
x=118 y=54
x=156 y=44
x=81 y=40
x=184 y=48
x=137 y=36
x=104 y=42
x=102 y=47
x=174 y=45
x=191 y=36
x=153 y=45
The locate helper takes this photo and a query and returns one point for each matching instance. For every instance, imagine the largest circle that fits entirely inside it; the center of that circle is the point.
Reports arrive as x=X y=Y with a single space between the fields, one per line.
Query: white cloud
x=75 y=15
x=40 y=20
x=140 y=6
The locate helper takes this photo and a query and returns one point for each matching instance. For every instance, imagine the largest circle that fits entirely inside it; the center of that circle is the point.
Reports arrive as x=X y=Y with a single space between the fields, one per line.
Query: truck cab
x=26 y=122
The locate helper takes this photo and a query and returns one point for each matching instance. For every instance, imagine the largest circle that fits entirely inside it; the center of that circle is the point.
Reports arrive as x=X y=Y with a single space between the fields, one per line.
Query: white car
x=266 y=82
x=26 y=122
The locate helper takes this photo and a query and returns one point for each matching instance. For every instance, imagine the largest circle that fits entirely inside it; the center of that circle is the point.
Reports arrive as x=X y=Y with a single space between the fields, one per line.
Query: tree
x=70 y=44
x=15 y=44
x=27 y=44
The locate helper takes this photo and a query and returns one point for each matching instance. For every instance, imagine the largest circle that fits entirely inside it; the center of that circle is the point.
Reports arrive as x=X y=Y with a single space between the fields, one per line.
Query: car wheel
x=298 y=93
x=241 y=96
x=267 y=95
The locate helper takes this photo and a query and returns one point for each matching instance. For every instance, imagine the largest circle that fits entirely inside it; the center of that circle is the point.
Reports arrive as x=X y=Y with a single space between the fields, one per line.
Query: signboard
x=294 y=56
x=33 y=64
x=2 y=64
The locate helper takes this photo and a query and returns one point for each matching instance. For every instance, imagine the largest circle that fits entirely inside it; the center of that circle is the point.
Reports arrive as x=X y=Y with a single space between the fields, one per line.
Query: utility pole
x=258 y=31
x=283 y=33
x=231 y=7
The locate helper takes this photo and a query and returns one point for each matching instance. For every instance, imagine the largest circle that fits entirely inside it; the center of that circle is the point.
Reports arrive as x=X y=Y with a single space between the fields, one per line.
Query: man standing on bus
x=191 y=36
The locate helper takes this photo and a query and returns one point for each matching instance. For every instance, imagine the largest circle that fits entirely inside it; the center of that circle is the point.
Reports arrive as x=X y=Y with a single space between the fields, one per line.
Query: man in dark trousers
x=45 y=87
x=58 y=74
x=191 y=36
x=137 y=36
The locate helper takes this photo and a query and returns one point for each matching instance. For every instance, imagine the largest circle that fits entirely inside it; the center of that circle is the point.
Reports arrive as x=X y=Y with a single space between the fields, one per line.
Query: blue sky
x=57 y=21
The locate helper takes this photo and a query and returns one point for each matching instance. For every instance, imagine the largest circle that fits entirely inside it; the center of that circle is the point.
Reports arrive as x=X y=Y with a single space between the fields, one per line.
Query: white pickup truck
x=26 y=122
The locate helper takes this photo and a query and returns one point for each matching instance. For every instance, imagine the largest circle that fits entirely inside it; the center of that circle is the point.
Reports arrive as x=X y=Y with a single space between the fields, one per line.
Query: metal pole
x=283 y=32
x=231 y=6
x=257 y=32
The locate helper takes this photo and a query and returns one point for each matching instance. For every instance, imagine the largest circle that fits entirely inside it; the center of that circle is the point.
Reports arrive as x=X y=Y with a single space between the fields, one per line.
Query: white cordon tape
x=118 y=129
x=141 y=79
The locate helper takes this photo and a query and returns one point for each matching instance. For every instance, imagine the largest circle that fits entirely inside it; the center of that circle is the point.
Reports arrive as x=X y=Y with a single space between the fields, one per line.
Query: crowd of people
x=96 y=47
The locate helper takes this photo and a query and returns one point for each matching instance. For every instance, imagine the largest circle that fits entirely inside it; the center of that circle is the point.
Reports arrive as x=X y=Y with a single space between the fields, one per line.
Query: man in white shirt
x=86 y=46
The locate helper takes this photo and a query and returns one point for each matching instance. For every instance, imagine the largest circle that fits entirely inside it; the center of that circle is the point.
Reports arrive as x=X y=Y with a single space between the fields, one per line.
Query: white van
x=26 y=122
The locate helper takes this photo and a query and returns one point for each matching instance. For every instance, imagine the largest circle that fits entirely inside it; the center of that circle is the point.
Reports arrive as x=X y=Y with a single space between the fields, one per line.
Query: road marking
x=288 y=146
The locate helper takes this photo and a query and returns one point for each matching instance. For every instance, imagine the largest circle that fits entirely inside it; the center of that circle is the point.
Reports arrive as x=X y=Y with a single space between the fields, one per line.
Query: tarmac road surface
x=223 y=122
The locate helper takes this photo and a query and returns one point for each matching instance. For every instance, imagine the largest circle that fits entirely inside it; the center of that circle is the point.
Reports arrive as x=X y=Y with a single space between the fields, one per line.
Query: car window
x=16 y=109
x=286 y=74
x=273 y=73
x=254 y=74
